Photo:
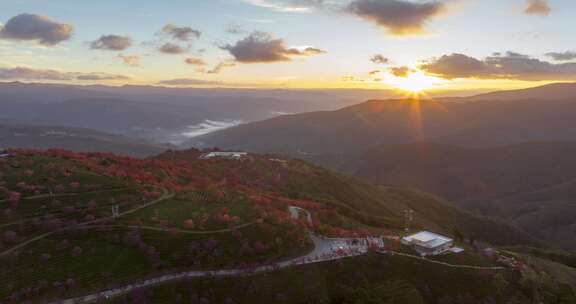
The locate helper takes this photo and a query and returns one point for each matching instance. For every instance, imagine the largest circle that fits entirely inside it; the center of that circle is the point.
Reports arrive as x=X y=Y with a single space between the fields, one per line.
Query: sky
x=407 y=44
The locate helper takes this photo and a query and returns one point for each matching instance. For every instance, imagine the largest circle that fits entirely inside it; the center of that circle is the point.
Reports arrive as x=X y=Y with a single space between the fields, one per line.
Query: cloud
x=209 y=126
x=33 y=74
x=130 y=60
x=111 y=43
x=538 y=8
x=499 y=66
x=195 y=61
x=260 y=47
x=188 y=82
x=221 y=66
x=399 y=17
x=291 y=6
x=307 y=51
x=100 y=76
x=172 y=49
x=350 y=78
x=23 y=73
x=184 y=33
x=562 y=56
x=171 y=38
x=41 y=29
x=403 y=71
x=456 y=66
x=235 y=29
x=379 y=59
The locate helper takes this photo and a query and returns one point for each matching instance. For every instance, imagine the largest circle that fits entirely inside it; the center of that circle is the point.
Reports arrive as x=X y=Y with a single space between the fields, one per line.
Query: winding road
x=444 y=263
x=325 y=249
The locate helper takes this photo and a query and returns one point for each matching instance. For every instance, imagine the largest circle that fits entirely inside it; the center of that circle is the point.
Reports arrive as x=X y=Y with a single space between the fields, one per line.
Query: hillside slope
x=177 y=212
x=363 y=202
x=486 y=120
x=531 y=184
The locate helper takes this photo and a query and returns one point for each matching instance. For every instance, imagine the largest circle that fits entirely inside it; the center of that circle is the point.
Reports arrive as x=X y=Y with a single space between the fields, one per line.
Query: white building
x=428 y=243
x=226 y=155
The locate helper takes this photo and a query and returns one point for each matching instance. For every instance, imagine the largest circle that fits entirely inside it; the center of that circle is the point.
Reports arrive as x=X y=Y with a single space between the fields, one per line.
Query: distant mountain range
x=161 y=114
x=500 y=118
x=18 y=135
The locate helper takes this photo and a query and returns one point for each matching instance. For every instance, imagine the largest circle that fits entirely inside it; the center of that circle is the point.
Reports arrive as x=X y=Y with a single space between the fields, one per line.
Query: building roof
x=428 y=239
x=456 y=250
x=223 y=154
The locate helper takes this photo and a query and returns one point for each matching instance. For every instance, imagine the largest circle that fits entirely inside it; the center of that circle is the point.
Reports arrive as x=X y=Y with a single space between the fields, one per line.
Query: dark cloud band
x=499 y=66
x=23 y=73
x=562 y=56
x=187 y=82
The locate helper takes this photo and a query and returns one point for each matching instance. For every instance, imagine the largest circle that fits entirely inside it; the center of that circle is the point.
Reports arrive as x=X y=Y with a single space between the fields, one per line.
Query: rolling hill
x=180 y=212
x=494 y=119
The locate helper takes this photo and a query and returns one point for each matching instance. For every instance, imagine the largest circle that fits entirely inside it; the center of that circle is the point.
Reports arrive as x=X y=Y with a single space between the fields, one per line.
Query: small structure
x=490 y=252
x=277 y=160
x=296 y=211
x=225 y=155
x=428 y=243
x=115 y=211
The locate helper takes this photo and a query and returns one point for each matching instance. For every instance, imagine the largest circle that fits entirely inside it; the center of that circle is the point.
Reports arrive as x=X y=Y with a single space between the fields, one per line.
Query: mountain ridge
x=472 y=121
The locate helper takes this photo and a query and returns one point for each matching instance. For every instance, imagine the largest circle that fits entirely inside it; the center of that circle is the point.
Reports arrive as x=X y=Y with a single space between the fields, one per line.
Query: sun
x=413 y=82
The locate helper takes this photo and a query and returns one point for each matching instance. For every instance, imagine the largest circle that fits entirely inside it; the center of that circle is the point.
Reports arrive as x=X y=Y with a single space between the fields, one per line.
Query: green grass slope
x=178 y=212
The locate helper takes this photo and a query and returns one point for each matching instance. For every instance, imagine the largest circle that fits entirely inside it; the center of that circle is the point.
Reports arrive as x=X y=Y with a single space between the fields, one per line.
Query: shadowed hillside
x=531 y=185
x=482 y=121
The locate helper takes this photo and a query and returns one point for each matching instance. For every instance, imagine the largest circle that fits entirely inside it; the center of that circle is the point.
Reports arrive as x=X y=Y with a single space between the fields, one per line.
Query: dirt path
x=48 y=195
x=166 y=194
x=152 y=228
x=23 y=219
x=444 y=263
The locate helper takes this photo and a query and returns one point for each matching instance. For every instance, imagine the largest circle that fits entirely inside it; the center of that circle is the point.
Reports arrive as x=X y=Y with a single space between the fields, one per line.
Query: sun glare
x=414 y=82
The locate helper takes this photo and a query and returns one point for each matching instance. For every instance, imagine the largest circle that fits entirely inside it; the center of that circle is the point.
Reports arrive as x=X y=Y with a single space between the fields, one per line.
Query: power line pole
x=115 y=211
x=408 y=218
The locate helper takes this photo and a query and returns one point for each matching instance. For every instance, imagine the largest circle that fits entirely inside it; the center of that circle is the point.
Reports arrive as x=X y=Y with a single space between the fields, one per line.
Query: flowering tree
x=14 y=199
x=10 y=237
x=189 y=224
x=77 y=251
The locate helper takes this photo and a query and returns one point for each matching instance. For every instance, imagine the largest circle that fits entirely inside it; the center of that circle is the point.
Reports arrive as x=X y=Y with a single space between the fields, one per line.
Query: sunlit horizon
x=277 y=44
